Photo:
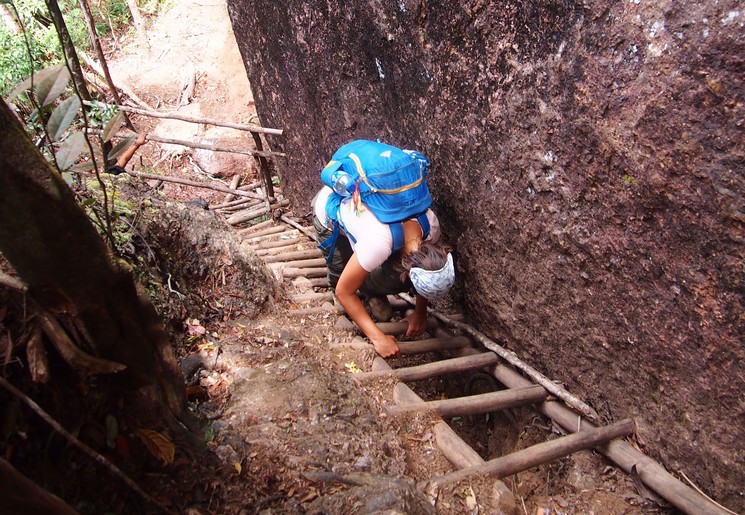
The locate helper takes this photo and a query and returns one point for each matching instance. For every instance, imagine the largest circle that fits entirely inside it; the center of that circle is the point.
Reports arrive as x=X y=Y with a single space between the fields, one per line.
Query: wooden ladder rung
x=290 y=273
x=538 y=454
x=291 y=256
x=302 y=263
x=447 y=366
x=433 y=345
x=475 y=404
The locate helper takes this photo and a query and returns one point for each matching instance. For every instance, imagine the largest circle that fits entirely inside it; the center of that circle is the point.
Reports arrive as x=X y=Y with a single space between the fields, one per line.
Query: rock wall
x=588 y=166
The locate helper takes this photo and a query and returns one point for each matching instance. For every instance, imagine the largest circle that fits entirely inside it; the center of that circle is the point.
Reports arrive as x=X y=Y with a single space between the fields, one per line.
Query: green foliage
x=110 y=15
x=42 y=36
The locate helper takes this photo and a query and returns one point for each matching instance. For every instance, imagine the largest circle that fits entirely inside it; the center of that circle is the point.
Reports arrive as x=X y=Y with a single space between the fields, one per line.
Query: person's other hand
x=386 y=346
x=417 y=324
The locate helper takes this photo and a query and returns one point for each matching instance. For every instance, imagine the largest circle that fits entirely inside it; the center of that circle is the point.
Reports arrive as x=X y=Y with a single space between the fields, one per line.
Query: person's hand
x=385 y=345
x=417 y=324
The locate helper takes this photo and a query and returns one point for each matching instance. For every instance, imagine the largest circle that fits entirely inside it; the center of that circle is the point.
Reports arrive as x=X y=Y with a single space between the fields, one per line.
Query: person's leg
x=383 y=281
x=342 y=253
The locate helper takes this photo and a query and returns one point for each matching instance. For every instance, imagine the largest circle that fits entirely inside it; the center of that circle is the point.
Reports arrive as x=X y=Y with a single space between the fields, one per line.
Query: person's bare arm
x=349 y=282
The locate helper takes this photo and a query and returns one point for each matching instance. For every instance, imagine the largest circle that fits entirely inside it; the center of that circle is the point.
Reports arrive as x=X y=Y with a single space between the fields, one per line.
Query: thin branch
x=120 y=85
x=177 y=180
x=693 y=485
x=80 y=445
x=309 y=233
x=208 y=121
x=511 y=358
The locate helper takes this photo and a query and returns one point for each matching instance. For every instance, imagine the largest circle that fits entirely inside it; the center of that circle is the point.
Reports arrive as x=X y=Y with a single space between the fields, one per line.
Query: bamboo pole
x=447 y=366
x=511 y=358
x=209 y=121
x=540 y=453
x=476 y=404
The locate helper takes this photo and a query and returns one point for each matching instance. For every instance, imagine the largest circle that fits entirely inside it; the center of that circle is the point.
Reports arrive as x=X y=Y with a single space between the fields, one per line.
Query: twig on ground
x=702 y=493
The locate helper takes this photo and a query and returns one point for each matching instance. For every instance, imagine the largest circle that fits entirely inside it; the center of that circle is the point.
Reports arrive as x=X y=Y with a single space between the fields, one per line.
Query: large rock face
x=587 y=164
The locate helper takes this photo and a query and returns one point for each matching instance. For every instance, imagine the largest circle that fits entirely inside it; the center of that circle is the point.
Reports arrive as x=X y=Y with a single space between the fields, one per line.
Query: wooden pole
x=302 y=263
x=269 y=231
x=291 y=273
x=311 y=233
x=447 y=366
x=540 y=453
x=476 y=404
x=312 y=297
x=232 y=203
x=253 y=228
x=265 y=245
x=266 y=174
x=245 y=216
x=209 y=121
x=300 y=254
x=315 y=311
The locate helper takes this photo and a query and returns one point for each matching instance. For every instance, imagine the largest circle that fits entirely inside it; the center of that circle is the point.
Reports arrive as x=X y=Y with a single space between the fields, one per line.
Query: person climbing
x=391 y=241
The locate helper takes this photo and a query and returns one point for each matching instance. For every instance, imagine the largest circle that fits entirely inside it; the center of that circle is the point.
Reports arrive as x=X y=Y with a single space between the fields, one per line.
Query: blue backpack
x=389 y=181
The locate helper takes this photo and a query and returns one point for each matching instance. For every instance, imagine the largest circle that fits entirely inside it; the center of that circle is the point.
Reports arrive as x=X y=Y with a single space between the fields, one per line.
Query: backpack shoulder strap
x=397 y=231
x=424 y=224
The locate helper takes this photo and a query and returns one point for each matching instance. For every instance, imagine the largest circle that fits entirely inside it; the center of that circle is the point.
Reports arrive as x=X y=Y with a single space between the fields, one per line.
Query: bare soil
x=289 y=429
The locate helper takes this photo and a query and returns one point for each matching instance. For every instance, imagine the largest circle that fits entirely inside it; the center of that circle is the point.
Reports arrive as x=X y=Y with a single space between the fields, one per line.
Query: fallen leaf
x=237 y=467
x=159 y=446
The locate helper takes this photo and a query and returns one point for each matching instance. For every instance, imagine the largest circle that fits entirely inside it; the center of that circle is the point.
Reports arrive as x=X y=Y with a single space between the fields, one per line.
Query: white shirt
x=374 y=242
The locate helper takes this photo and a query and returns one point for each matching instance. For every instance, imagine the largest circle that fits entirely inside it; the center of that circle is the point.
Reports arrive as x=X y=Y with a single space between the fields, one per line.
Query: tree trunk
x=70 y=273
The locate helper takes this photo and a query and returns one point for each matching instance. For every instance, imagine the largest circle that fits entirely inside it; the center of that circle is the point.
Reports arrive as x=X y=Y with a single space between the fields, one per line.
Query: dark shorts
x=384 y=280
